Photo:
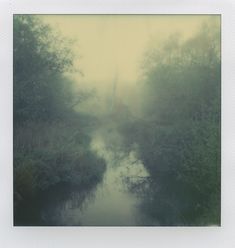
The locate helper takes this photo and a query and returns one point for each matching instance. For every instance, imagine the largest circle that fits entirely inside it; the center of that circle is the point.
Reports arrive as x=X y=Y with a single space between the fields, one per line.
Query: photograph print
x=117 y=120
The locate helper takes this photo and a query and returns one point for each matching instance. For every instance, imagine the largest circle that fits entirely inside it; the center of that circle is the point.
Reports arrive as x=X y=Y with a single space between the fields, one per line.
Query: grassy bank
x=52 y=153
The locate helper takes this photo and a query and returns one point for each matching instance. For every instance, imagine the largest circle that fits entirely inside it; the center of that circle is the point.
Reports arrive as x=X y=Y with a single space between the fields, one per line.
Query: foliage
x=40 y=59
x=52 y=155
x=51 y=141
x=178 y=138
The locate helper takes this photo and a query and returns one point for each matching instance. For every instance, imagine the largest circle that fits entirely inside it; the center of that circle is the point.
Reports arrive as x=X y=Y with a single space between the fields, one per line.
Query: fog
x=117 y=120
x=111 y=48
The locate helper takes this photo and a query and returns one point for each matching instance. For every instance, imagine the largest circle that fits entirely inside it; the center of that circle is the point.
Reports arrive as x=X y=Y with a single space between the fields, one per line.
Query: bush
x=178 y=138
x=48 y=155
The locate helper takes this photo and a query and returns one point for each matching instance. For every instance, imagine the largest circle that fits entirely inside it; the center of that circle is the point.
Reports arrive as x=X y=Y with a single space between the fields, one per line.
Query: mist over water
x=112 y=204
x=130 y=135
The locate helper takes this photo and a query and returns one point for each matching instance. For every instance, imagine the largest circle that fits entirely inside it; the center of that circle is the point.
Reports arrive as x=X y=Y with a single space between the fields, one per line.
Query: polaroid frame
x=118 y=236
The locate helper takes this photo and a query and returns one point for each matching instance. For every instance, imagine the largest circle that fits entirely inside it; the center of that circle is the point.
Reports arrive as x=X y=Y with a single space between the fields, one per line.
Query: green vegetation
x=175 y=139
x=51 y=140
x=178 y=138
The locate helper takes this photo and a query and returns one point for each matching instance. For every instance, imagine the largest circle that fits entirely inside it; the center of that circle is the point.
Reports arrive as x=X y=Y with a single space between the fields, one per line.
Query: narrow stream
x=110 y=203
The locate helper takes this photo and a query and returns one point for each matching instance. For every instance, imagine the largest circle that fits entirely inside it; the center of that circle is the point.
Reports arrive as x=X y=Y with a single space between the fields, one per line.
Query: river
x=110 y=203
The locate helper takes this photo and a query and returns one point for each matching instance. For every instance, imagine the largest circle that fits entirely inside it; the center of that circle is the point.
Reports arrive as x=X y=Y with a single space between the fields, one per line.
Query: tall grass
x=47 y=154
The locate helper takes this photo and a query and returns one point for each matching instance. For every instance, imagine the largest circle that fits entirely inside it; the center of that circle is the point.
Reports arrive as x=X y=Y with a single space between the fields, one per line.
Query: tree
x=179 y=136
x=40 y=59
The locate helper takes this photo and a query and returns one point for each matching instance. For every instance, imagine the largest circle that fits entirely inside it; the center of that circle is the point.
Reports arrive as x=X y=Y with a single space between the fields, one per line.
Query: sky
x=109 y=44
x=113 y=46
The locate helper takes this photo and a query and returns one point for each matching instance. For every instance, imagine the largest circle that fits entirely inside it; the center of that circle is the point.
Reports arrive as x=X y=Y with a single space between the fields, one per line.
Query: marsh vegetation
x=118 y=147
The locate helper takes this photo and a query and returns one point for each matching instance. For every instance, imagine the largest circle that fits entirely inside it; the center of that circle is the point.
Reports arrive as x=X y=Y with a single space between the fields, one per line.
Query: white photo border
x=58 y=237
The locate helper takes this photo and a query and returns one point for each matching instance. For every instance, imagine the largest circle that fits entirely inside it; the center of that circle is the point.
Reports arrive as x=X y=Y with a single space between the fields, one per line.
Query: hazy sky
x=109 y=43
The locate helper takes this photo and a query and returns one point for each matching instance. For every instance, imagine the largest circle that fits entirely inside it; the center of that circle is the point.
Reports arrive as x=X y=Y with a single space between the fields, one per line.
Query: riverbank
x=51 y=154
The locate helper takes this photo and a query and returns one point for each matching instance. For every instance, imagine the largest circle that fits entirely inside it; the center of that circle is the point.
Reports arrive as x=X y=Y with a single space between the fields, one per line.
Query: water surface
x=110 y=203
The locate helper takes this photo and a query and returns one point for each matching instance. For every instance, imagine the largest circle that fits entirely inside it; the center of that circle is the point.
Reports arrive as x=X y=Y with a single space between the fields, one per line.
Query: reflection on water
x=110 y=203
